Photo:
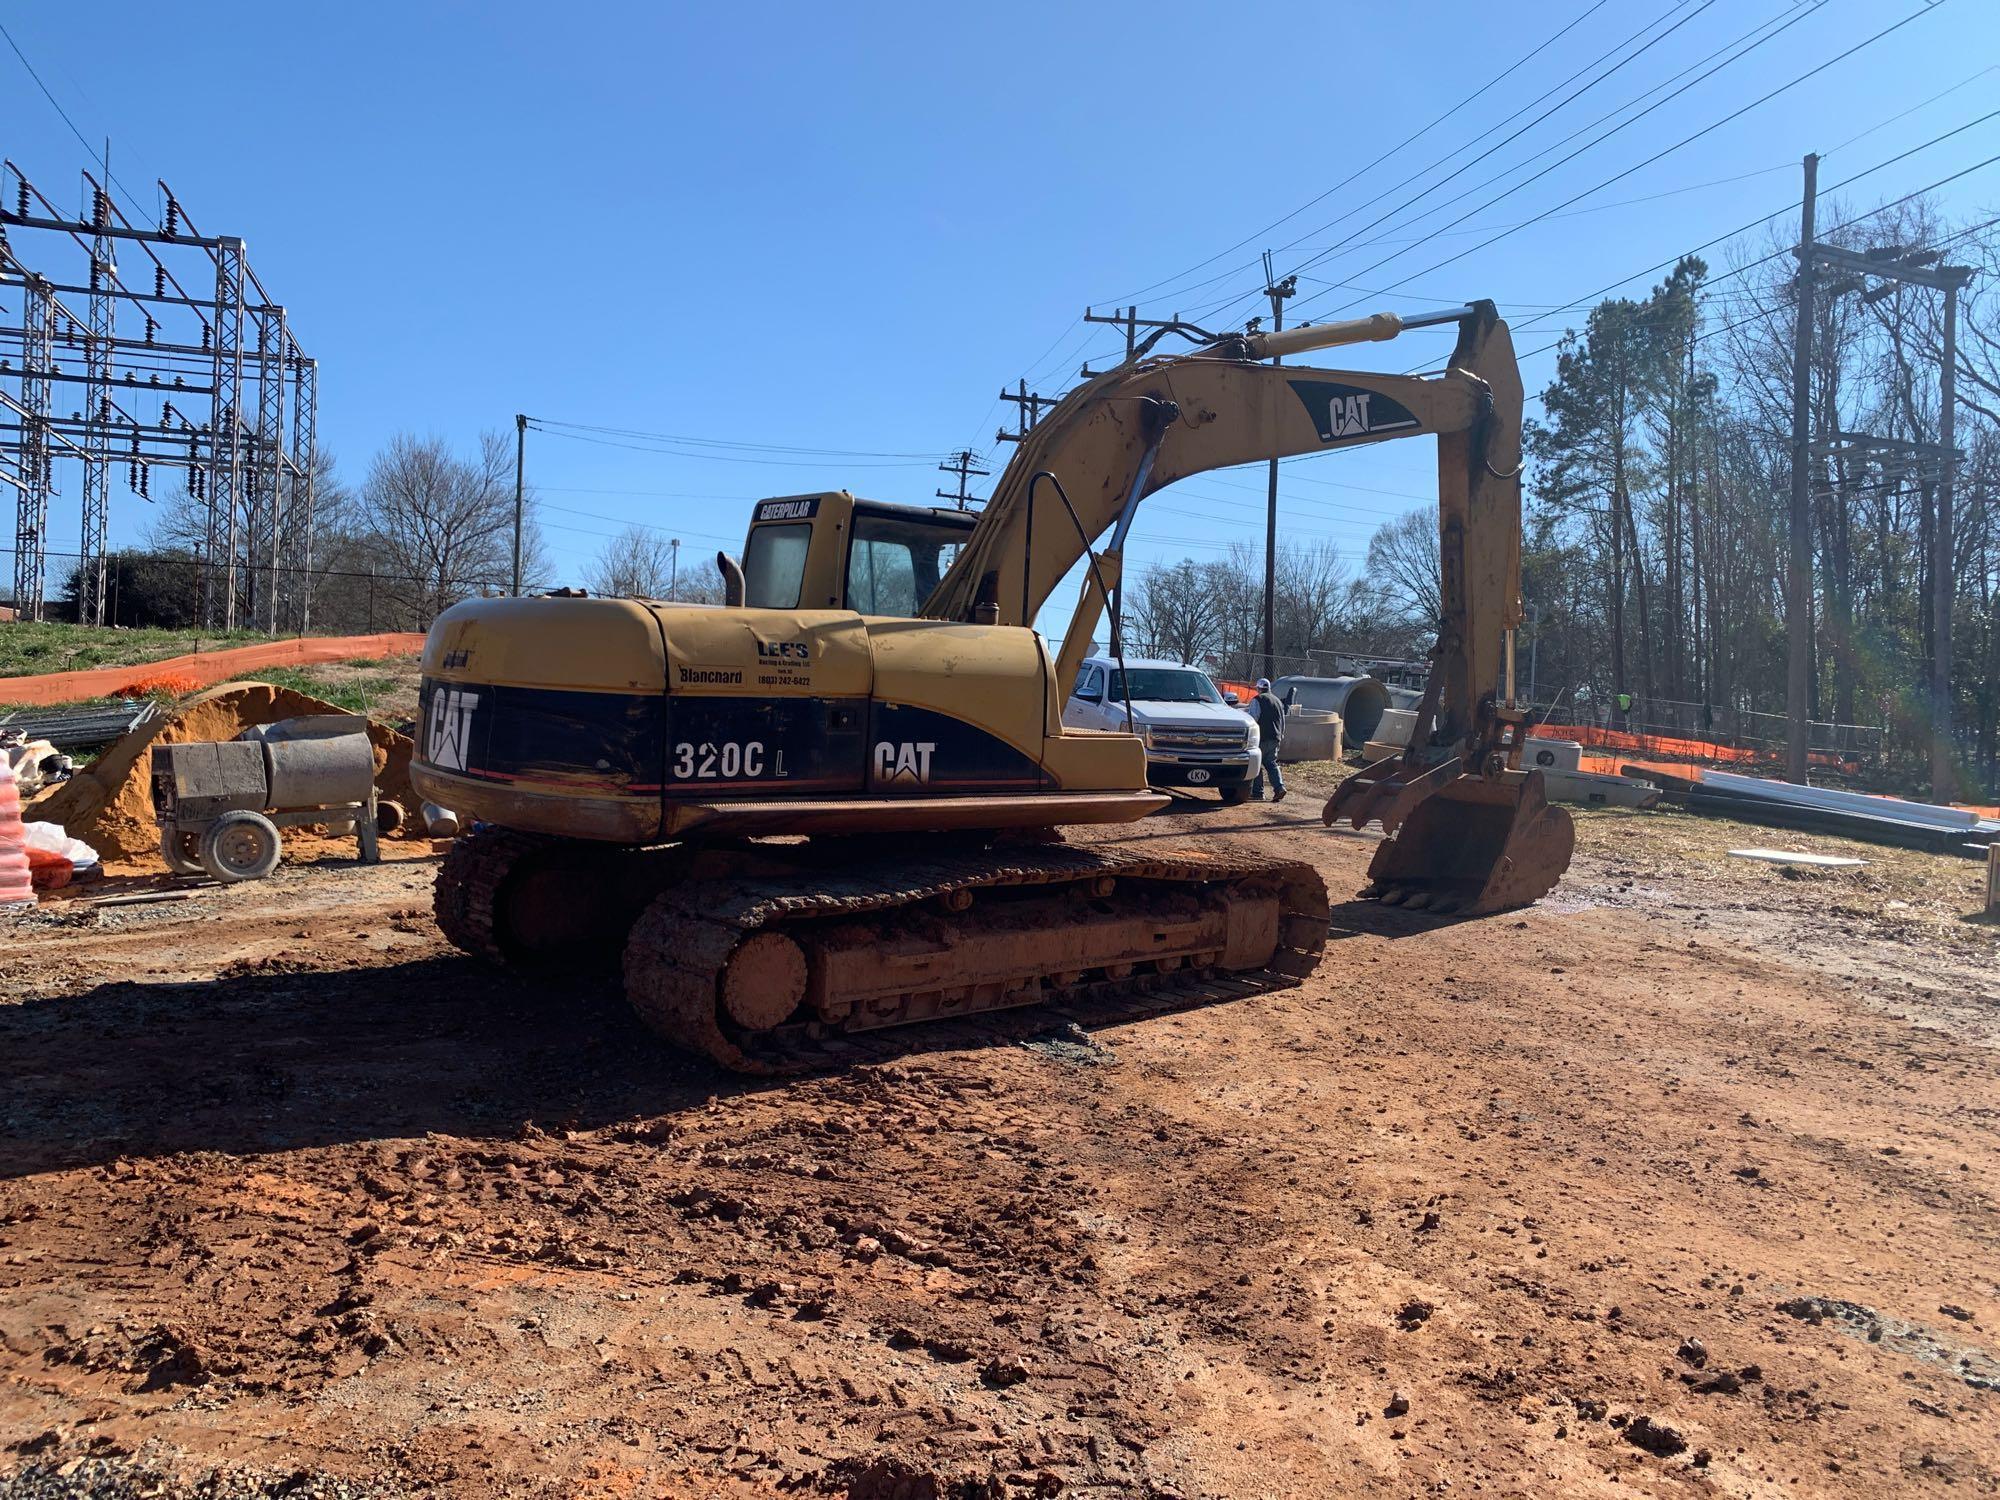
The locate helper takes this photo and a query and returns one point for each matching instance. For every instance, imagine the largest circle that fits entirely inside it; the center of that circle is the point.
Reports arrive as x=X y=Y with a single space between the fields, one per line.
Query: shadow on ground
x=279 y=1061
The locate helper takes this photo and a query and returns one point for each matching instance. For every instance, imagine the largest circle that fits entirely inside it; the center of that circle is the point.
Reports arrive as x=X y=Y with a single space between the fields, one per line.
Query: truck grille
x=1199 y=739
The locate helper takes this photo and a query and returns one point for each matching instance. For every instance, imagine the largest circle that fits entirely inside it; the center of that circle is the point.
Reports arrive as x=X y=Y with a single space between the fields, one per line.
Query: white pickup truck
x=1193 y=736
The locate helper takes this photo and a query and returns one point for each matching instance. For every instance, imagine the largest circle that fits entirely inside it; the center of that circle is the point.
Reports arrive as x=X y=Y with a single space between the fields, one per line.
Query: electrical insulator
x=178 y=382
x=159 y=281
x=204 y=338
x=21 y=198
x=100 y=208
x=151 y=329
x=166 y=414
x=173 y=214
x=132 y=476
x=94 y=273
x=145 y=481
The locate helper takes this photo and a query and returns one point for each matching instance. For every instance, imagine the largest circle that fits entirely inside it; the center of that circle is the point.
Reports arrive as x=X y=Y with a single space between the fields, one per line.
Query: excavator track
x=738 y=969
x=523 y=898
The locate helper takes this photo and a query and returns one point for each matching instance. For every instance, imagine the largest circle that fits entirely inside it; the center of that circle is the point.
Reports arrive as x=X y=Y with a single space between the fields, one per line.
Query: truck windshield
x=774 y=566
x=1163 y=685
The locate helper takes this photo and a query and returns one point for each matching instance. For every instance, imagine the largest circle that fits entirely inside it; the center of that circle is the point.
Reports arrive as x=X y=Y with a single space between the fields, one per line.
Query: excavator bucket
x=1476 y=844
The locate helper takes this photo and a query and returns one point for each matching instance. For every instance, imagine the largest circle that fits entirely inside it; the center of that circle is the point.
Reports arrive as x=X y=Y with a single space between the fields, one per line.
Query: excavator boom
x=1470 y=831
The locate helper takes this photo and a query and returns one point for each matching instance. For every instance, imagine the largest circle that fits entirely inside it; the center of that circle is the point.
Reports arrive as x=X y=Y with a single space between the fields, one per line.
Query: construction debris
x=36 y=763
x=1790 y=857
x=1855 y=815
x=78 y=729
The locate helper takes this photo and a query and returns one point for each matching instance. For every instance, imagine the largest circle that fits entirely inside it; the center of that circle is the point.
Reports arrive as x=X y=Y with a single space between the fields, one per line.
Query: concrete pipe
x=1360 y=701
x=306 y=727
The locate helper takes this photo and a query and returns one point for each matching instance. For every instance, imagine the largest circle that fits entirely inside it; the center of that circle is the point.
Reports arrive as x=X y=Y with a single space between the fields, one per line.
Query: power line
x=1658 y=155
x=57 y=103
x=543 y=424
x=728 y=458
x=1776 y=254
x=1418 y=197
x=1408 y=140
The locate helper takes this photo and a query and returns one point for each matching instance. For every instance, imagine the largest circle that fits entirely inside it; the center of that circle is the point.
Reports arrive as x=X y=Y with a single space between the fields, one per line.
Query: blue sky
x=844 y=228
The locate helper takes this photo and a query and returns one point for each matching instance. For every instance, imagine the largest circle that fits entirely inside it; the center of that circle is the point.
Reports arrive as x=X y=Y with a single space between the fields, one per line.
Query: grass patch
x=32 y=650
x=355 y=694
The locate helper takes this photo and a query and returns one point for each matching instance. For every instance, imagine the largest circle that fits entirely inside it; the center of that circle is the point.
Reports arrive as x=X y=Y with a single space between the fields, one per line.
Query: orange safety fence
x=1676 y=747
x=1599 y=738
x=183 y=674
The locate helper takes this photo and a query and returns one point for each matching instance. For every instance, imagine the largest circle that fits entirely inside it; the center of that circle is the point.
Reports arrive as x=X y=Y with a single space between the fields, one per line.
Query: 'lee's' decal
x=1348 y=411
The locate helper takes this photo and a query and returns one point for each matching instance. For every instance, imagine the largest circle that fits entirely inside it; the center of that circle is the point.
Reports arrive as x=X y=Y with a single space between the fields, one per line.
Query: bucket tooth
x=1481 y=843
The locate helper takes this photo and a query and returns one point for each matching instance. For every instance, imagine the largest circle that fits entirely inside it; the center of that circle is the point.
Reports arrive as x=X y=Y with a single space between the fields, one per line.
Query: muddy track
x=680 y=946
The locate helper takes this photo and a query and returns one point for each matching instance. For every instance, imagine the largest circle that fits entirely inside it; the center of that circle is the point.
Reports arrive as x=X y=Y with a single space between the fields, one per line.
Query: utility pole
x=674 y=584
x=1798 y=589
x=1534 y=647
x=1944 y=780
x=1132 y=323
x=960 y=463
x=1277 y=291
x=1028 y=411
x=520 y=464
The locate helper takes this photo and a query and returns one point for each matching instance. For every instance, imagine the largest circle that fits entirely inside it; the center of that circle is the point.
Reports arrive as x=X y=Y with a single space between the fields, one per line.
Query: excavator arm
x=1084 y=469
x=1131 y=431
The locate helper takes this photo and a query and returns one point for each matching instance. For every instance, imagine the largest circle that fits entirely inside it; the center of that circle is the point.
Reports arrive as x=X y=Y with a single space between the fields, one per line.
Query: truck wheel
x=1236 y=796
x=240 y=845
x=181 y=851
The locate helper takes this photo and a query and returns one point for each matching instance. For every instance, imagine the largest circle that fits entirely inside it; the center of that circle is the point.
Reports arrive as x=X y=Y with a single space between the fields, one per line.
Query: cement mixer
x=220 y=804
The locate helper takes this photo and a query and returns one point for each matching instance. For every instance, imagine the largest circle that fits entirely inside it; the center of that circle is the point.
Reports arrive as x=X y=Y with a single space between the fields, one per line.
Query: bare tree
x=179 y=529
x=1403 y=561
x=441 y=527
x=640 y=563
x=1177 y=611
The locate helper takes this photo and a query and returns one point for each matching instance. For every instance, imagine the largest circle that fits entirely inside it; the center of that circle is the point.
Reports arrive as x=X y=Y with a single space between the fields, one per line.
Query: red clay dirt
x=1680 y=1183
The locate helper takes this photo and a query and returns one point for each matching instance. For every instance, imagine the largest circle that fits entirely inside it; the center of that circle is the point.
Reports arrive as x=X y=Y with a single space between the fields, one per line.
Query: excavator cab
x=835 y=551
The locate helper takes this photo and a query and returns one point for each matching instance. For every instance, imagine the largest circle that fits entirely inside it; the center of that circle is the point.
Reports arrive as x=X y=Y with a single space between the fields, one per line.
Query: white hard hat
x=1263 y=683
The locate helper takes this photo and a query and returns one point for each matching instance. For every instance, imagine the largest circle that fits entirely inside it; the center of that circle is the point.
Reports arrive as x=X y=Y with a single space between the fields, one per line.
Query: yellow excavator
x=832 y=804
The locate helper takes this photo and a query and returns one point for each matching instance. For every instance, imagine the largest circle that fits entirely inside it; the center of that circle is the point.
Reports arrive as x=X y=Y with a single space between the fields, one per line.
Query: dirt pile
x=109 y=805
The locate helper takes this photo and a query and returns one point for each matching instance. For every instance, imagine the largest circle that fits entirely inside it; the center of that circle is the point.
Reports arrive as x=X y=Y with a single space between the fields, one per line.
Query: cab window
x=892 y=565
x=774 y=566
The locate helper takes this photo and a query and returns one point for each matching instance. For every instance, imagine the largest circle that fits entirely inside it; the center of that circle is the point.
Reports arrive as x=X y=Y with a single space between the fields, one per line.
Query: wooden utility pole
x=1028 y=411
x=1277 y=291
x=961 y=464
x=1798 y=587
x=1944 y=778
x=520 y=463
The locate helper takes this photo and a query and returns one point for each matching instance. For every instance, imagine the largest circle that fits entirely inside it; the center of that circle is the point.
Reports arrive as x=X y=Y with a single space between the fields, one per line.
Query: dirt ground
x=1681 y=1183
